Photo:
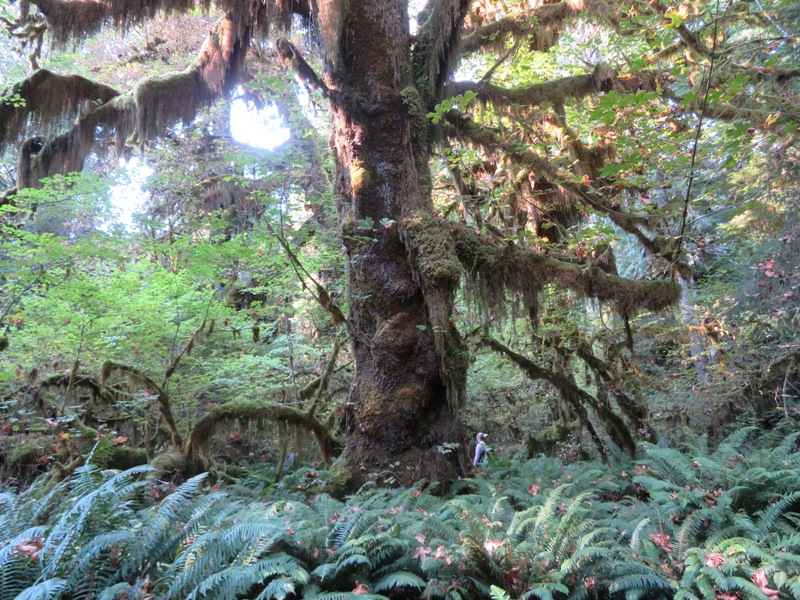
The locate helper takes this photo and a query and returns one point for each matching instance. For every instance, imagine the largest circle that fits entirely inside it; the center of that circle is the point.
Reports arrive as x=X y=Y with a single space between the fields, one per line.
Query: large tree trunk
x=380 y=141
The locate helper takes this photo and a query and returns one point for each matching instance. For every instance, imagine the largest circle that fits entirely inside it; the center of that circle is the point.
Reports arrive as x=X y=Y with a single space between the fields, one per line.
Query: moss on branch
x=577 y=398
x=436 y=51
x=156 y=103
x=47 y=100
x=254 y=412
x=555 y=92
x=162 y=397
x=527 y=272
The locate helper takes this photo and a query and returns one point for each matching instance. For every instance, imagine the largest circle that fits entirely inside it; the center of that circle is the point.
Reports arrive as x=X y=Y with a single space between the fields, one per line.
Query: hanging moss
x=74 y=20
x=526 y=273
x=45 y=101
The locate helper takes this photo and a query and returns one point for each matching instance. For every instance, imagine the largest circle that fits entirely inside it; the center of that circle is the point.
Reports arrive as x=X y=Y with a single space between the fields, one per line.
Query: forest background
x=219 y=326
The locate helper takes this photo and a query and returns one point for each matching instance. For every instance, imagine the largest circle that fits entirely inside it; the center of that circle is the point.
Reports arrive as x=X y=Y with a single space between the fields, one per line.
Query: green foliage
x=673 y=524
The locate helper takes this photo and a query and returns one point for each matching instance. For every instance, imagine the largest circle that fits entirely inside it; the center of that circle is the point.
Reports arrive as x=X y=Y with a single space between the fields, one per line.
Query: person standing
x=480 y=449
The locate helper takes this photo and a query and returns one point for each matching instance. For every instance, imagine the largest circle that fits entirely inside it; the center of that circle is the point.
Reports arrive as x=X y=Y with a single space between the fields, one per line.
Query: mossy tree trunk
x=380 y=140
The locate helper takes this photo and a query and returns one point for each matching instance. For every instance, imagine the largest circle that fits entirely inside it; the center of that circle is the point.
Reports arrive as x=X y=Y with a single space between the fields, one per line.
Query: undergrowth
x=694 y=524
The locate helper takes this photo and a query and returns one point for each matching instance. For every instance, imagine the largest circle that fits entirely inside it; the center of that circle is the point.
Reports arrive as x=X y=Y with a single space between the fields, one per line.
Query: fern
x=46 y=590
x=399 y=579
x=17 y=570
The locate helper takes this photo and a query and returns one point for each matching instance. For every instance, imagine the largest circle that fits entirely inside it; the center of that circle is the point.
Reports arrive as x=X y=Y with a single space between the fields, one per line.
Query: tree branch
x=156 y=103
x=162 y=397
x=575 y=397
x=542 y=26
x=292 y=58
x=436 y=51
x=254 y=412
x=555 y=92
x=527 y=272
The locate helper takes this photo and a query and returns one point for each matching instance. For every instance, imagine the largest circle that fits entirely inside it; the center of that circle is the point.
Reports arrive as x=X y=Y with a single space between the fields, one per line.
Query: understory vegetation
x=268 y=268
x=687 y=524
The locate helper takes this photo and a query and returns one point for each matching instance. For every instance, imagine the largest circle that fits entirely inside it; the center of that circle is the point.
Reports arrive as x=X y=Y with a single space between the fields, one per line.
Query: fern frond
x=399 y=579
x=18 y=571
x=641 y=582
x=769 y=516
x=731 y=447
x=46 y=590
x=235 y=580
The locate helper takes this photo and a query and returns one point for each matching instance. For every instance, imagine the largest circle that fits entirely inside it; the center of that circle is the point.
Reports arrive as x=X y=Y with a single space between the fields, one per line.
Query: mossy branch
x=154 y=104
x=321 y=383
x=292 y=57
x=49 y=99
x=187 y=349
x=539 y=27
x=436 y=50
x=527 y=272
x=162 y=397
x=253 y=412
x=571 y=192
x=577 y=398
x=554 y=92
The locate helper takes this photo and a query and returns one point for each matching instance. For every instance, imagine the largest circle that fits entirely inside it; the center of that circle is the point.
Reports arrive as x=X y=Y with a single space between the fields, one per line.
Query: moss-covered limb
x=69 y=19
x=155 y=103
x=294 y=60
x=749 y=107
x=540 y=27
x=163 y=100
x=324 y=379
x=436 y=266
x=76 y=19
x=187 y=349
x=254 y=412
x=162 y=397
x=577 y=398
x=79 y=380
x=49 y=99
x=120 y=457
x=570 y=193
x=554 y=92
x=526 y=272
x=631 y=405
x=436 y=52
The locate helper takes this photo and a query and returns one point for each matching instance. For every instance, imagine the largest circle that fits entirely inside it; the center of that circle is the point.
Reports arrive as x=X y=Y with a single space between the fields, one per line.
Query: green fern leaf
x=46 y=590
x=399 y=579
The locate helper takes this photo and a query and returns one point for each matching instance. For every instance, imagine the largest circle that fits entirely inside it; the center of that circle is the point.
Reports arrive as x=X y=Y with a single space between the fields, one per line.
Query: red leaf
x=662 y=541
x=360 y=588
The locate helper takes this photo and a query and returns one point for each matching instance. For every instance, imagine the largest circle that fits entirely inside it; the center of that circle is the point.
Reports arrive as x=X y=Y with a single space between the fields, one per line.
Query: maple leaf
x=714 y=559
x=360 y=588
x=421 y=553
x=534 y=489
x=442 y=554
x=31 y=548
x=662 y=541
x=420 y=537
x=119 y=440
x=492 y=545
x=760 y=579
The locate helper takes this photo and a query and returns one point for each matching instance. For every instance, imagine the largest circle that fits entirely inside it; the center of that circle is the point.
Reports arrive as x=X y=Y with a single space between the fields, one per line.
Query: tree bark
x=383 y=184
